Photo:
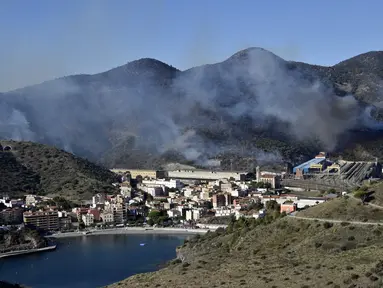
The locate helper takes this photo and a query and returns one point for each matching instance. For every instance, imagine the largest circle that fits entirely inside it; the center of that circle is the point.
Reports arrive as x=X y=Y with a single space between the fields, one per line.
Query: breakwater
x=29 y=251
x=133 y=230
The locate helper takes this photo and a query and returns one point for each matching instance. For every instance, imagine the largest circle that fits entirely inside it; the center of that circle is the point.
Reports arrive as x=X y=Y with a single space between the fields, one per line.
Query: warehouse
x=205 y=175
x=315 y=165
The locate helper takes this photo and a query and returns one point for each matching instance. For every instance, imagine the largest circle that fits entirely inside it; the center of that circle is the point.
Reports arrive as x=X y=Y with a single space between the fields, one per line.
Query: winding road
x=335 y=221
x=292 y=215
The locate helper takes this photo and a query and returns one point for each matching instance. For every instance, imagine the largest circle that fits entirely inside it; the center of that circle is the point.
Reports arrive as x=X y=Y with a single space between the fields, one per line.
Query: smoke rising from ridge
x=200 y=113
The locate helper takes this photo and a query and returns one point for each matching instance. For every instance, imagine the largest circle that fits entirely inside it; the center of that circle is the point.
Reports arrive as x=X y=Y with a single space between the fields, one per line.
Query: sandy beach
x=132 y=230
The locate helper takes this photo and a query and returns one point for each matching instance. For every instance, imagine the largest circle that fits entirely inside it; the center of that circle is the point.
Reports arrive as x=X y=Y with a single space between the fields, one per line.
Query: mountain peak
x=253 y=51
x=149 y=63
x=372 y=59
x=253 y=95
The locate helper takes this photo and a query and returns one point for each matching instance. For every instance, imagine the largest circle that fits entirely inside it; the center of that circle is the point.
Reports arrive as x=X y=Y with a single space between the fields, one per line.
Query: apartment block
x=88 y=219
x=107 y=218
x=45 y=220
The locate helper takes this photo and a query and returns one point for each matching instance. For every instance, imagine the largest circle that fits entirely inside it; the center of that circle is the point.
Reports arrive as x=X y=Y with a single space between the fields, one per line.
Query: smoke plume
x=200 y=113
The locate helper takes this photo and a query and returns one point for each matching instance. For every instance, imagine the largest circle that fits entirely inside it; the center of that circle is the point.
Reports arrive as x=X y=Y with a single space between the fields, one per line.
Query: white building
x=12 y=203
x=300 y=201
x=235 y=193
x=204 y=174
x=162 y=182
x=189 y=215
x=88 y=219
x=204 y=195
x=188 y=192
x=303 y=202
x=225 y=186
x=224 y=212
x=155 y=191
x=31 y=200
x=174 y=213
x=62 y=214
x=126 y=191
x=193 y=214
x=242 y=185
x=107 y=217
x=99 y=198
x=172 y=194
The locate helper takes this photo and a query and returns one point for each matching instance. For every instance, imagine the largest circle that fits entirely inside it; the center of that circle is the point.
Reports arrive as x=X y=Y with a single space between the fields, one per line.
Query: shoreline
x=24 y=252
x=132 y=230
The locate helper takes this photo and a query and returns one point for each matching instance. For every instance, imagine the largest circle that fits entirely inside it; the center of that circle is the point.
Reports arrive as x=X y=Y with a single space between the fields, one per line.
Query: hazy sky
x=45 y=39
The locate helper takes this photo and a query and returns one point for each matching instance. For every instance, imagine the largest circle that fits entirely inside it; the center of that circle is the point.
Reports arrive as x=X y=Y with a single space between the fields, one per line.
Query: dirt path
x=335 y=221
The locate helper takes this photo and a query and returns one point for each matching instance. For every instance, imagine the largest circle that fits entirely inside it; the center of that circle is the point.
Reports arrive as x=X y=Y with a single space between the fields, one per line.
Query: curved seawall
x=22 y=252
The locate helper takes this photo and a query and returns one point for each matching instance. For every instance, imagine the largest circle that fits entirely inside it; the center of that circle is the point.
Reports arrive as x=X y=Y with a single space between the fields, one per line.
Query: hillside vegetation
x=23 y=239
x=279 y=252
x=235 y=110
x=345 y=208
x=39 y=169
x=375 y=192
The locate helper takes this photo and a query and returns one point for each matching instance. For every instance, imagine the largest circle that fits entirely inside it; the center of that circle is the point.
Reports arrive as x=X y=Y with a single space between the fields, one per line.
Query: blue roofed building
x=316 y=164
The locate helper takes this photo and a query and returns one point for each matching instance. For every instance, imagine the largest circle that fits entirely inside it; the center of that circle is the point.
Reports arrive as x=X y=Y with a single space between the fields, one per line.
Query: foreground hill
x=345 y=209
x=147 y=113
x=35 y=168
x=286 y=252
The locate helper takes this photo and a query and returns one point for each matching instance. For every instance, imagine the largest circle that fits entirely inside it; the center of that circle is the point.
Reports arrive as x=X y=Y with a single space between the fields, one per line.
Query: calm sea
x=92 y=261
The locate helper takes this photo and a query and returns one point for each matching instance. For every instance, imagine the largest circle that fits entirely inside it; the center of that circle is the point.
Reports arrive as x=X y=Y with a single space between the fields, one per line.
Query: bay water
x=91 y=261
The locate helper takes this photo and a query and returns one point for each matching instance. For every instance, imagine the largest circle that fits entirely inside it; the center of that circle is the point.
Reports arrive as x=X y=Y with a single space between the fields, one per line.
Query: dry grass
x=311 y=193
x=287 y=253
x=347 y=209
x=377 y=195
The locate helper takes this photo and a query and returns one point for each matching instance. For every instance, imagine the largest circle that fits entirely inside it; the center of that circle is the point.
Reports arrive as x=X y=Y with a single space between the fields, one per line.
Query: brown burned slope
x=35 y=168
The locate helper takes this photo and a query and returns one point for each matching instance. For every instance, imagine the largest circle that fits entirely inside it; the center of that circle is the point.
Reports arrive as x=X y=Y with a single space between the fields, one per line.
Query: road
x=292 y=215
x=335 y=221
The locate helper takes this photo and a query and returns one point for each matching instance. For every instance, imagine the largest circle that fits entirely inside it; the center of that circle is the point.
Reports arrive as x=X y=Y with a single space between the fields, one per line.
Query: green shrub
x=359 y=193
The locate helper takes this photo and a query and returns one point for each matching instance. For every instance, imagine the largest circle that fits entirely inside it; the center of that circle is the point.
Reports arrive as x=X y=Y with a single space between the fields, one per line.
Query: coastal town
x=179 y=199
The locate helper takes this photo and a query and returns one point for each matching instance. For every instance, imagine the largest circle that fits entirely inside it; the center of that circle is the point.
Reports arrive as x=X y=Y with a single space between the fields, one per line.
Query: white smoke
x=90 y=114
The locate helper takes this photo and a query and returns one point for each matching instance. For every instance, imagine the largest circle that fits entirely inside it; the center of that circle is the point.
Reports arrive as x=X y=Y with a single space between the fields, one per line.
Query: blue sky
x=45 y=39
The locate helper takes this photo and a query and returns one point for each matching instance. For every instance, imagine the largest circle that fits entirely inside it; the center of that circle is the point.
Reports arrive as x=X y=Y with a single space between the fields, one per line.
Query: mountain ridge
x=147 y=107
x=43 y=170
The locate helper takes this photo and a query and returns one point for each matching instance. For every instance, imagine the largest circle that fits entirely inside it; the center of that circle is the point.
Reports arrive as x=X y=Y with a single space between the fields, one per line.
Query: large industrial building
x=315 y=165
x=321 y=173
x=205 y=175
x=182 y=174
